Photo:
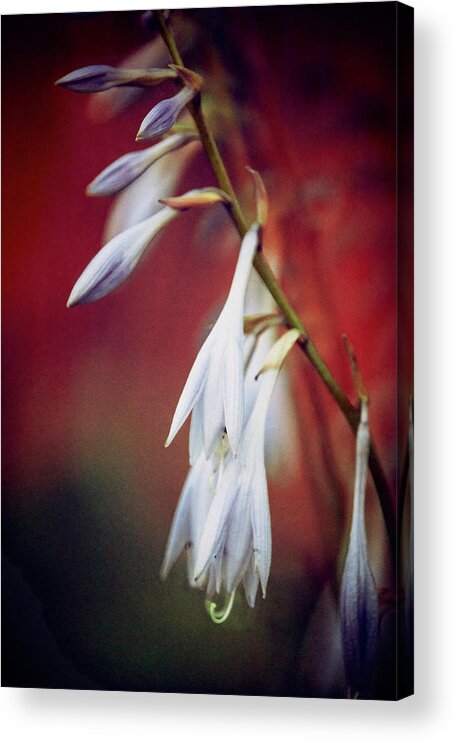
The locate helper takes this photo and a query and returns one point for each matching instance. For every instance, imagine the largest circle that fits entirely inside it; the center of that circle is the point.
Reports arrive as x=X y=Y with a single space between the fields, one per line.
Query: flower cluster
x=222 y=519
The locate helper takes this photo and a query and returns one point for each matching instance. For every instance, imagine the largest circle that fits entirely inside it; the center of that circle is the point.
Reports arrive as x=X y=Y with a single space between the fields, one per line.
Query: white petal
x=191 y=391
x=262 y=532
x=116 y=260
x=217 y=522
x=251 y=583
x=196 y=432
x=213 y=417
x=180 y=533
x=233 y=393
x=236 y=297
x=239 y=540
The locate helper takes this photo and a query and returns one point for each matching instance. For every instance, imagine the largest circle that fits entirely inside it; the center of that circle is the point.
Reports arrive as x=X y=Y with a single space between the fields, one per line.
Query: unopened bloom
x=99 y=77
x=164 y=115
x=116 y=260
x=214 y=388
x=129 y=167
x=359 y=598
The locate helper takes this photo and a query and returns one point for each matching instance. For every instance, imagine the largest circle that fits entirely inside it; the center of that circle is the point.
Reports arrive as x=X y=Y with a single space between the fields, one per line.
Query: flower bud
x=126 y=169
x=99 y=77
x=164 y=115
x=358 y=597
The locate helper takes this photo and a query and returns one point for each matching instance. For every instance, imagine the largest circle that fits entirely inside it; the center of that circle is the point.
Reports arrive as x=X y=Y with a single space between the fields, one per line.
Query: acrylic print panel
x=244 y=261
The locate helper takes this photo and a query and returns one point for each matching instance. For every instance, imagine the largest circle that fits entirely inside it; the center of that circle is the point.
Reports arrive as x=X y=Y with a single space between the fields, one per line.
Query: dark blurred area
x=307 y=96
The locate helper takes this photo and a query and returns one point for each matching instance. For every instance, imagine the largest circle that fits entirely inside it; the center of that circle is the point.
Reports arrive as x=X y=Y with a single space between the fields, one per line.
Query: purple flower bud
x=128 y=168
x=99 y=77
x=164 y=115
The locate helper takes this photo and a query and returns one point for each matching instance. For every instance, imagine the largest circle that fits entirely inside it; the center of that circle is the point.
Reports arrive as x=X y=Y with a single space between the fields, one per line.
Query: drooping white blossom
x=358 y=597
x=214 y=388
x=237 y=534
x=191 y=513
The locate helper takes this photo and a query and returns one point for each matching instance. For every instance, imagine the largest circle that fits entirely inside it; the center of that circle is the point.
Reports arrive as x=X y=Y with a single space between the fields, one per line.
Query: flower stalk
x=264 y=270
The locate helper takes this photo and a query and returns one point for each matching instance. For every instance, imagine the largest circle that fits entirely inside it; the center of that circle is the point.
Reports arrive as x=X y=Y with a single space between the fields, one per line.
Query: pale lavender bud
x=128 y=168
x=164 y=115
x=99 y=77
x=117 y=259
x=358 y=597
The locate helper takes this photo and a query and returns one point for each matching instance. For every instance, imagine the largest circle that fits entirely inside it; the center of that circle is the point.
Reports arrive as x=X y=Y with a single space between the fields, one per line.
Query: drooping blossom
x=191 y=513
x=358 y=597
x=214 y=388
x=223 y=516
x=237 y=532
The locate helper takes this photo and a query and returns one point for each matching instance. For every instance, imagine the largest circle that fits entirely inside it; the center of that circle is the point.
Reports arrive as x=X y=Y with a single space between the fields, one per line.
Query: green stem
x=261 y=265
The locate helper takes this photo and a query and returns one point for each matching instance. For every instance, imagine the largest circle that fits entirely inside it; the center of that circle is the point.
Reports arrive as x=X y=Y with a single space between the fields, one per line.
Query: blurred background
x=307 y=96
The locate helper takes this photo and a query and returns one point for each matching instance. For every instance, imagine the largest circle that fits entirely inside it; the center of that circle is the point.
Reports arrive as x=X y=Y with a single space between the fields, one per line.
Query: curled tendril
x=221 y=615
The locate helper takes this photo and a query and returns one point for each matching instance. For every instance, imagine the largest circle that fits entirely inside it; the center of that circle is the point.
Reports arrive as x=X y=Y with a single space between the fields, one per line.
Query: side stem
x=261 y=265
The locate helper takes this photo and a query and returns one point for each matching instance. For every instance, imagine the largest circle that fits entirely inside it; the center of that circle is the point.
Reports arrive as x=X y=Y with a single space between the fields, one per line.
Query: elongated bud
x=358 y=597
x=126 y=169
x=198 y=197
x=164 y=115
x=262 y=201
x=118 y=258
x=99 y=77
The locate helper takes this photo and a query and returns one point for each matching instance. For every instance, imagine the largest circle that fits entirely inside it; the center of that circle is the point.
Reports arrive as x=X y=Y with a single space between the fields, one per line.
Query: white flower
x=237 y=538
x=358 y=597
x=214 y=388
x=191 y=514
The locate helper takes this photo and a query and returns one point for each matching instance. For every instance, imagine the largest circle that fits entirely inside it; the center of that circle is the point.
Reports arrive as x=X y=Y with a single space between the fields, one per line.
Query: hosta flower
x=191 y=513
x=116 y=260
x=128 y=168
x=223 y=517
x=359 y=598
x=214 y=388
x=237 y=534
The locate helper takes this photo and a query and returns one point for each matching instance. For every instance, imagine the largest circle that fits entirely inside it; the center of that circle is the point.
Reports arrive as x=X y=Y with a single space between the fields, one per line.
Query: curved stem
x=261 y=265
